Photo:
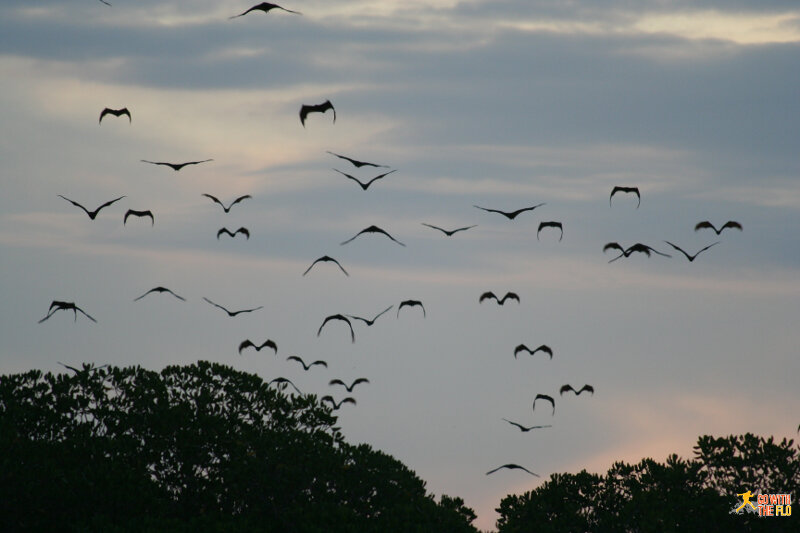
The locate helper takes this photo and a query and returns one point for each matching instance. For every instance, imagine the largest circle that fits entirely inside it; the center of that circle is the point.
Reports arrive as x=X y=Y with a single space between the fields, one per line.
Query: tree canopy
x=194 y=448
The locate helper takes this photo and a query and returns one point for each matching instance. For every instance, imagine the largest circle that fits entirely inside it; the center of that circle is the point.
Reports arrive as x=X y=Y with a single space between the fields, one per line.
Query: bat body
x=326 y=258
x=233 y=313
x=550 y=224
x=489 y=295
x=546 y=398
x=92 y=214
x=525 y=429
x=729 y=224
x=567 y=388
x=269 y=343
x=410 y=303
x=244 y=231
x=160 y=289
x=306 y=366
x=691 y=258
x=266 y=7
x=226 y=209
x=352 y=385
x=139 y=214
x=343 y=319
x=512 y=466
x=335 y=406
x=358 y=164
x=305 y=109
x=451 y=232
x=370 y=322
x=372 y=229
x=57 y=305
x=511 y=215
x=364 y=186
x=175 y=166
x=543 y=348
x=632 y=190
x=115 y=112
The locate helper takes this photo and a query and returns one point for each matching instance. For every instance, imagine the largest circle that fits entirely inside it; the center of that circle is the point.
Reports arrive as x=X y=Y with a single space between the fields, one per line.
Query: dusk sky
x=502 y=104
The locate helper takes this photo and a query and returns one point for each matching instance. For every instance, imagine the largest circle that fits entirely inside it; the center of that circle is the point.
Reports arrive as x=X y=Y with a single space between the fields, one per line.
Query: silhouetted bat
x=370 y=322
x=510 y=215
x=140 y=214
x=512 y=467
x=115 y=112
x=551 y=224
x=490 y=295
x=449 y=233
x=547 y=398
x=366 y=185
x=343 y=384
x=159 y=289
x=523 y=428
x=638 y=247
x=57 y=305
x=543 y=348
x=265 y=7
x=227 y=209
x=566 y=388
x=233 y=313
x=305 y=109
x=343 y=319
x=634 y=190
x=729 y=224
x=269 y=343
x=92 y=214
x=175 y=166
x=691 y=258
x=244 y=231
x=410 y=303
x=358 y=164
x=326 y=258
x=335 y=405
x=284 y=382
x=372 y=229
x=104 y=1
x=306 y=366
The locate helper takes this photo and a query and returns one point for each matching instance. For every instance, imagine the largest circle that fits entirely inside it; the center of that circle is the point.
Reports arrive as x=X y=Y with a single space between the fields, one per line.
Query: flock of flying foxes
x=346 y=319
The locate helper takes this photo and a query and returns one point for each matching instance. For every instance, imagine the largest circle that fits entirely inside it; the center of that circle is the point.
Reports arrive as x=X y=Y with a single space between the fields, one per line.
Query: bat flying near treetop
x=567 y=388
x=543 y=348
x=364 y=186
x=159 y=289
x=244 y=231
x=175 y=166
x=358 y=164
x=283 y=381
x=512 y=466
x=691 y=258
x=546 y=398
x=409 y=303
x=269 y=343
x=551 y=224
x=266 y=7
x=139 y=214
x=370 y=322
x=729 y=224
x=92 y=214
x=306 y=366
x=326 y=258
x=57 y=305
x=343 y=319
x=451 y=232
x=525 y=429
x=115 y=112
x=511 y=215
x=489 y=295
x=633 y=190
x=227 y=209
x=343 y=384
x=335 y=405
x=372 y=229
x=305 y=109
x=233 y=313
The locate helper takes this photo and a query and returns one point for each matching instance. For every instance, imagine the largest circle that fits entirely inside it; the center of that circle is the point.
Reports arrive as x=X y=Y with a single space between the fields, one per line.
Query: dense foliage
x=675 y=496
x=194 y=448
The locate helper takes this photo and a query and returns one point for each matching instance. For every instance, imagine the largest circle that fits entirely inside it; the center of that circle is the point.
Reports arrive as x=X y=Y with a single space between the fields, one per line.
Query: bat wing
x=244 y=344
x=731 y=224
x=382 y=312
x=465 y=228
x=378 y=177
x=245 y=197
x=587 y=388
x=271 y=344
x=521 y=348
x=488 y=295
x=216 y=305
x=244 y=231
x=510 y=296
x=109 y=203
x=565 y=388
x=76 y=204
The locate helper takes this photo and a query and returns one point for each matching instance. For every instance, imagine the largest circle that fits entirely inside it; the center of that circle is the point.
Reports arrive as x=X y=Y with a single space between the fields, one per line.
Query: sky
x=502 y=104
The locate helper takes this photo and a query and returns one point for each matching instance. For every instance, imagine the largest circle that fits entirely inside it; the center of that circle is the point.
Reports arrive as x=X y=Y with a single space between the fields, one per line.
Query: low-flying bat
x=159 y=289
x=550 y=224
x=372 y=229
x=633 y=190
x=269 y=343
x=284 y=382
x=370 y=322
x=451 y=232
x=546 y=398
x=489 y=295
x=326 y=258
x=525 y=429
x=358 y=164
x=335 y=405
x=511 y=215
x=233 y=313
x=57 y=305
x=305 y=109
x=306 y=366
x=115 y=112
x=364 y=186
x=543 y=348
x=343 y=384
x=567 y=388
x=729 y=224
x=691 y=258
x=343 y=319
x=175 y=166
x=409 y=303
x=226 y=209
x=140 y=214
x=512 y=466
x=266 y=7
x=92 y=214
x=244 y=231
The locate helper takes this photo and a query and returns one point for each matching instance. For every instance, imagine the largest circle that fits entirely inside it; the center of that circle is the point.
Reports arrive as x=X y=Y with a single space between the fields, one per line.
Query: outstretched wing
x=488 y=295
